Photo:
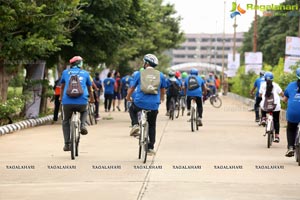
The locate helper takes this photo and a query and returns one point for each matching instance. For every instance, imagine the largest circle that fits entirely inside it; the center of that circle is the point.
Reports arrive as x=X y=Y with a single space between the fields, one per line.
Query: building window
x=192 y=56
x=204 y=39
x=191 y=48
x=181 y=48
x=179 y=56
x=191 y=39
x=204 y=48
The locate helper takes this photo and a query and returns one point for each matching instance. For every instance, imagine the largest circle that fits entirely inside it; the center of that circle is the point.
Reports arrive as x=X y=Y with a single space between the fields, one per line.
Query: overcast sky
x=207 y=16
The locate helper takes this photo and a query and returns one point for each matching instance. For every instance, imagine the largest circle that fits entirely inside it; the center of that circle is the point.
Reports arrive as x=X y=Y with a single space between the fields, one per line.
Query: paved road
x=187 y=165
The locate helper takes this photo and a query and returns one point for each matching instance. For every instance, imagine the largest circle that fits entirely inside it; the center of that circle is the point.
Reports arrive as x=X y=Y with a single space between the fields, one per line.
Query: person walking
x=108 y=91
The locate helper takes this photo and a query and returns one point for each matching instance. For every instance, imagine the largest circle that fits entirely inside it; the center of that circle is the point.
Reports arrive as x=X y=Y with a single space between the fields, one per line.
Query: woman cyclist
x=292 y=97
x=267 y=89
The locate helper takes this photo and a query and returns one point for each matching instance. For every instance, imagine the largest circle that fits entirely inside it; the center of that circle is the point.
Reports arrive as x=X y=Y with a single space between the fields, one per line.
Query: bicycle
x=194 y=115
x=215 y=101
x=297 y=146
x=75 y=134
x=172 y=108
x=144 y=135
x=269 y=129
x=181 y=104
x=91 y=114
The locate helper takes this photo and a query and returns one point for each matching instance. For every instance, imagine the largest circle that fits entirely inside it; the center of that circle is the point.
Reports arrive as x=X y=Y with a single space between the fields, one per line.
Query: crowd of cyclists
x=146 y=89
x=268 y=91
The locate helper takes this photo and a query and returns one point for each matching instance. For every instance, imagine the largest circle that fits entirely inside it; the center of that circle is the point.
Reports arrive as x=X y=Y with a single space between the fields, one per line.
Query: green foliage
x=10 y=107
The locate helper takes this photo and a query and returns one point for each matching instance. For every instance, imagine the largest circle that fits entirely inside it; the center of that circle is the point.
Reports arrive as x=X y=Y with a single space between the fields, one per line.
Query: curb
x=251 y=102
x=24 y=124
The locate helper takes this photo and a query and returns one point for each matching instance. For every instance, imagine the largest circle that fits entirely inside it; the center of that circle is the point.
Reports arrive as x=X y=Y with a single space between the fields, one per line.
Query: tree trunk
x=4 y=80
x=44 y=98
x=32 y=89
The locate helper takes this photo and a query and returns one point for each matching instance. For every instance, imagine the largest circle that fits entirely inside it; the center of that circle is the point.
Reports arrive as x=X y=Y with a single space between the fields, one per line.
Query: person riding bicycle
x=211 y=84
x=194 y=87
x=125 y=83
x=70 y=103
x=269 y=92
x=292 y=97
x=150 y=85
x=173 y=89
x=256 y=86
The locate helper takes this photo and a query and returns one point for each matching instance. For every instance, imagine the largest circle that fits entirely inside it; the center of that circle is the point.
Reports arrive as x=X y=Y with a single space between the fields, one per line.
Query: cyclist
x=97 y=93
x=256 y=86
x=268 y=89
x=173 y=89
x=125 y=83
x=194 y=87
x=71 y=104
x=292 y=97
x=117 y=91
x=148 y=100
x=108 y=91
x=211 y=83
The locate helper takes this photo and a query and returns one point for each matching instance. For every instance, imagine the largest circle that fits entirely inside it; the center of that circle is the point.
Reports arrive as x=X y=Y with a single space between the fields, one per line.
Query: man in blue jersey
x=194 y=87
x=258 y=99
x=150 y=85
x=125 y=84
x=108 y=83
x=71 y=104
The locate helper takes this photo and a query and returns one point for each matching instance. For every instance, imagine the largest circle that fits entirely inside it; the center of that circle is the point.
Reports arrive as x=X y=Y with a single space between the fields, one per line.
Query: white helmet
x=151 y=60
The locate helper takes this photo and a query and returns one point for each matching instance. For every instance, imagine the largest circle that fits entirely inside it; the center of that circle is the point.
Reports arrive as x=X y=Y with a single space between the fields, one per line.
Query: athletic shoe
x=118 y=108
x=151 y=152
x=263 y=122
x=167 y=113
x=188 y=113
x=290 y=152
x=256 y=120
x=277 y=139
x=199 y=122
x=67 y=147
x=83 y=131
x=135 y=130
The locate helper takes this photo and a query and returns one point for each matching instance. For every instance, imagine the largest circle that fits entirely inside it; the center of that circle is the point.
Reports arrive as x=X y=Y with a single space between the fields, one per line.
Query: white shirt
x=276 y=91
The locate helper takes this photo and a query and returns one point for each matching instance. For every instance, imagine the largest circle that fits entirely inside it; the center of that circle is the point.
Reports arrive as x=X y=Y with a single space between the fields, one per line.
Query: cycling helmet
x=177 y=74
x=171 y=74
x=298 y=73
x=184 y=75
x=151 y=60
x=76 y=60
x=268 y=76
x=194 y=71
x=262 y=73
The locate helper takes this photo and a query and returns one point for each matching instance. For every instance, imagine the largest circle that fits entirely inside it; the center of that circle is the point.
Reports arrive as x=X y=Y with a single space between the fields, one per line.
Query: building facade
x=206 y=48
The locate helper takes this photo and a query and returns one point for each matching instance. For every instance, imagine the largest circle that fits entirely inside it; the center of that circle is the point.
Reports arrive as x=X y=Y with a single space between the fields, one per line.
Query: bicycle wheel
x=93 y=113
x=216 y=101
x=91 y=117
x=73 y=140
x=140 y=141
x=172 y=108
x=193 y=120
x=297 y=154
x=177 y=110
x=196 y=120
x=145 y=143
x=77 y=139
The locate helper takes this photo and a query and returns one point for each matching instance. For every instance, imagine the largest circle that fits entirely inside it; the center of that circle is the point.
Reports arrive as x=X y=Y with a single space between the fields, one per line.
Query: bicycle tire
x=172 y=108
x=269 y=138
x=145 y=143
x=177 y=109
x=73 y=140
x=77 y=140
x=193 y=119
x=196 y=120
x=140 y=142
x=297 y=154
x=91 y=115
x=216 y=101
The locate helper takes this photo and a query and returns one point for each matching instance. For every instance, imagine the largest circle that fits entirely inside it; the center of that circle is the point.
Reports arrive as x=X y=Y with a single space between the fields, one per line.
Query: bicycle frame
x=269 y=126
x=74 y=134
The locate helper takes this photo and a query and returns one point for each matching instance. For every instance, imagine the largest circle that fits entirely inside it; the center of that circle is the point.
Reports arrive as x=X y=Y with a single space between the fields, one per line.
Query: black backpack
x=193 y=83
x=74 y=87
x=174 y=89
x=269 y=104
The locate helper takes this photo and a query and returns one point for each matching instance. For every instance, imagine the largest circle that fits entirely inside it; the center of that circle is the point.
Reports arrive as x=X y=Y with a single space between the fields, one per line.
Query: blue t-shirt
x=98 y=83
x=293 y=105
x=125 y=83
x=109 y=85
x=257 y=84
x=196 y=92
x=178 y=82
x=85 y=82
x=147 y=101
